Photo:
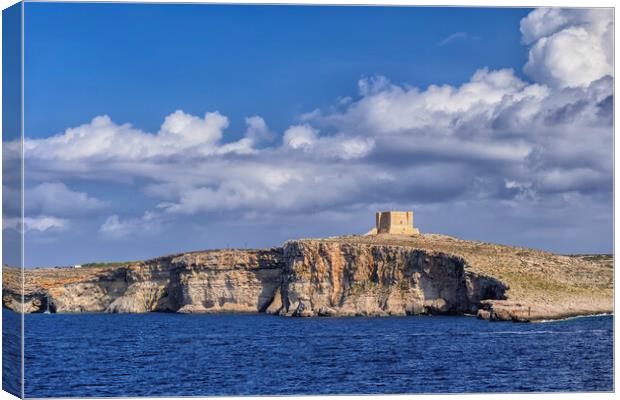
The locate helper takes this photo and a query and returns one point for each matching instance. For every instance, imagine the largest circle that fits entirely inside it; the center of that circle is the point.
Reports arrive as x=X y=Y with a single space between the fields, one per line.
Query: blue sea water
x=173 y=354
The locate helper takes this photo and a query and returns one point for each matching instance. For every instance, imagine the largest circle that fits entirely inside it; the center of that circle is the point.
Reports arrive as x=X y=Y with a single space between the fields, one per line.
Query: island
x=393 y=270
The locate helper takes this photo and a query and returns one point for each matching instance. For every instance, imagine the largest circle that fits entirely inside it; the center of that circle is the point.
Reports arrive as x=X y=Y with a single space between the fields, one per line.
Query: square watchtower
x=395 y=223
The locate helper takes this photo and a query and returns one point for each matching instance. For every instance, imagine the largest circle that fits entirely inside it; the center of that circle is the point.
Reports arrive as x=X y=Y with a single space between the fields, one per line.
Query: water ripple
x=202 y=355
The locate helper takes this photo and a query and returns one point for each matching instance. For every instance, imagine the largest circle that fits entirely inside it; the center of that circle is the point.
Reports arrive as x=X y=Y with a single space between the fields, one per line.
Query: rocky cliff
x=219 y=280
x=375 y=276
x=336 y=278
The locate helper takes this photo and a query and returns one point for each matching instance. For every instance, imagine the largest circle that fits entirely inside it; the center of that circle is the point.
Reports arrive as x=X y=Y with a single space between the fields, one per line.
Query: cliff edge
x=342 y=276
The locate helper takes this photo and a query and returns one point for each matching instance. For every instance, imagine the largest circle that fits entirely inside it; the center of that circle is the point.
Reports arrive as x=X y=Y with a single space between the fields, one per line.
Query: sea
x=161 y=354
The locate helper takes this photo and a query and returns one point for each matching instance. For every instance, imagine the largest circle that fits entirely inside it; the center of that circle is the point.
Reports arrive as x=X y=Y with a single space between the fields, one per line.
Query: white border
x=477 y=3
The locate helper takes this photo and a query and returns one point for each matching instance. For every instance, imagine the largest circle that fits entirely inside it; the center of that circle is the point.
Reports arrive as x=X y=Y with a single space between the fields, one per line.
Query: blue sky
x=138 y=63
x=153 y=129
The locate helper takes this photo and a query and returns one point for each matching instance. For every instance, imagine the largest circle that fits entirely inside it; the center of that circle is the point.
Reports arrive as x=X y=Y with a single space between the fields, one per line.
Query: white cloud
x=494 y=137
x=300 y=136
x=257 y=130
x=373 y=85
x=190 y=130
x=44 y=223
x=455 y=37
x=55 y=198
x=117 y=228
x=570 y=47
x=39 y=223
x=387 y=108
x=103 y=140
x=341 y=146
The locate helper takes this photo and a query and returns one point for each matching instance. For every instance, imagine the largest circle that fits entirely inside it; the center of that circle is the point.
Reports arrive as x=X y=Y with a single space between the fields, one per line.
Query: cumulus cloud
x=300 y=136
x=341 y=146
x=494 y=138
x=102 y=140
x=386 y=108
x=190 y=130
x=257 y=130
x=569 y=47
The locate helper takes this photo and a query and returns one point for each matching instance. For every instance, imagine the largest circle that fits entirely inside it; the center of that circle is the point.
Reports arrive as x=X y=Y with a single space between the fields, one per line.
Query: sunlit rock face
x=303 y=278
x=376 y=275
x=331 y=278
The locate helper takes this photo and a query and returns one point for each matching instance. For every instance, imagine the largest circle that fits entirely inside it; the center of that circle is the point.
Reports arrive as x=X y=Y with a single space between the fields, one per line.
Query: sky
x=155 y=129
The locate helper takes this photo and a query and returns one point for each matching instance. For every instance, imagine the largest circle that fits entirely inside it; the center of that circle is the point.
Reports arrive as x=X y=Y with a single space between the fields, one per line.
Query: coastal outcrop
x=335 y=278
x=378 y=275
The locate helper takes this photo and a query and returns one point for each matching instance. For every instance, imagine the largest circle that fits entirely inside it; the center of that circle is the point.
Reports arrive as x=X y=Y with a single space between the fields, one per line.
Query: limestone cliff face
x=239 y=280
x=210 y=281
x=332 y=278
x=303 y=278
x=352 y=275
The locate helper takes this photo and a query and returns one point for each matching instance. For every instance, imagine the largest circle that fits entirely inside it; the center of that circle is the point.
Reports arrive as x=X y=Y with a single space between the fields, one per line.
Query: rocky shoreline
x=379 y=275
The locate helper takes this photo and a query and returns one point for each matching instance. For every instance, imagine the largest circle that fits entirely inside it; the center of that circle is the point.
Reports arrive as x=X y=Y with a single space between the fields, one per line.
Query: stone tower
x=395 y=223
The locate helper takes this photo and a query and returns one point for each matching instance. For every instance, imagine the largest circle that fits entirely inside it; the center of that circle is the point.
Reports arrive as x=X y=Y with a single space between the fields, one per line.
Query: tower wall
x=395 y=223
